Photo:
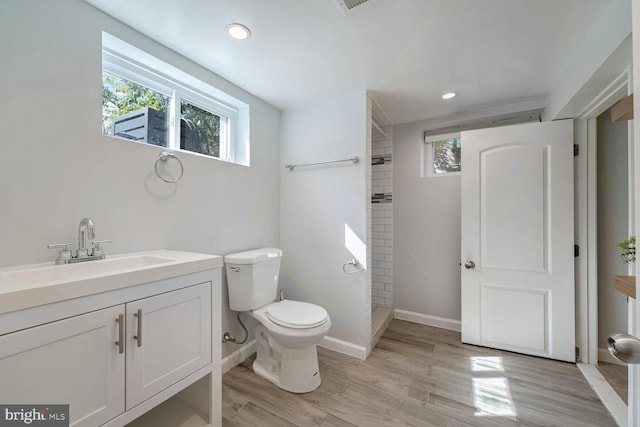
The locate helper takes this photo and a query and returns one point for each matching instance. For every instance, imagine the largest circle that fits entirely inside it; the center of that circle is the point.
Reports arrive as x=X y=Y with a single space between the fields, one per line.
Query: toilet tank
x=252 y=278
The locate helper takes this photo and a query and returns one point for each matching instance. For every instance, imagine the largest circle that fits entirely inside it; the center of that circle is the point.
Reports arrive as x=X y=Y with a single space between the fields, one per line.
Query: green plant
x=628 y=250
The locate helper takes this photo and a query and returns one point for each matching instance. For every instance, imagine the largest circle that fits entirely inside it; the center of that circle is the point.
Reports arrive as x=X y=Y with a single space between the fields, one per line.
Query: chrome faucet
x=86 y=234
x=86 y=231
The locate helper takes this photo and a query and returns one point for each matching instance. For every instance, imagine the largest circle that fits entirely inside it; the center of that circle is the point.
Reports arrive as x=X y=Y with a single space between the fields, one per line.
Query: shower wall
x=382 y=217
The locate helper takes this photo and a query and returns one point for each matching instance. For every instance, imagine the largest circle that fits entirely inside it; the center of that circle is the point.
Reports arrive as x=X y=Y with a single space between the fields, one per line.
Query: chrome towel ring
x=165 y=156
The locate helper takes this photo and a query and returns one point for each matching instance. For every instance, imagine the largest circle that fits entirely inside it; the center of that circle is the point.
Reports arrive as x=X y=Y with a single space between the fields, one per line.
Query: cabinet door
x=169 y=338
x=73 y=361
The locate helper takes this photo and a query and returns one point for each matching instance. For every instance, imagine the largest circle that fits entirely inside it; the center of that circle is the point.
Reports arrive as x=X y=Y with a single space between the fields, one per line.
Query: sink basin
x=64 y=273
x=26 y=286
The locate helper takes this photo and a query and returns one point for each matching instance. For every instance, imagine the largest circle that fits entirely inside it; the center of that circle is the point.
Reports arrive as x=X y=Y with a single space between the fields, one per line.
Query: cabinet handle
x=138 y=337
x=120 y=342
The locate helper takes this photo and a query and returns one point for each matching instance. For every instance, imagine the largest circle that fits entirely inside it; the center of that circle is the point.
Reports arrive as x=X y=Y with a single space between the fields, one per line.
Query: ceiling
x=407 y=53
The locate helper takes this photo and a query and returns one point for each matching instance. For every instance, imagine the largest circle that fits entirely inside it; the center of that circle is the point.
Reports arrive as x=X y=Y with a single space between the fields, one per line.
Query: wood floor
x=420 y=376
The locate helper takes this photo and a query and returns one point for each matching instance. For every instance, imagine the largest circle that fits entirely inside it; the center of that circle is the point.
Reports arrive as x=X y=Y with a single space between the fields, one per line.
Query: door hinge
x=576 y=150
x=577 y=354
x=576 y=251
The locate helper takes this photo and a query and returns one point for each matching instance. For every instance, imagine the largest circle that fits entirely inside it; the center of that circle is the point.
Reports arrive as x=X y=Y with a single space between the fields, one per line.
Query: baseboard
x=238 y=356
x=608 y=396
x=605 y=356
x=344 y=347
x=425 y=319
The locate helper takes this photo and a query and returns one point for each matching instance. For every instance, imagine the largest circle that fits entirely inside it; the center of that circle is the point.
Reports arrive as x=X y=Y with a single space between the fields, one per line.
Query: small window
x=149 y=101
x=442 y=155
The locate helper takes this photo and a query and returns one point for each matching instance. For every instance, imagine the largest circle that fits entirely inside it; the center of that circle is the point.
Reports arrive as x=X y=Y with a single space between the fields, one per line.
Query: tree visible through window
x=120 y=97
x=446 y=155
x=199 y=130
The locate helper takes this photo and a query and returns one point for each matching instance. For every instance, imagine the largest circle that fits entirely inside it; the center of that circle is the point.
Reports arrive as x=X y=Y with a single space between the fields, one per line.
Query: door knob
x=625 y=348
x=469 y=265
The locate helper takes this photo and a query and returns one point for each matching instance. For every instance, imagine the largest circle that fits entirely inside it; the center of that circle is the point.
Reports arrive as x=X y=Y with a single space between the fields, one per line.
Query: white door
x=74 y=361
x=169 y=339
x=517 y=239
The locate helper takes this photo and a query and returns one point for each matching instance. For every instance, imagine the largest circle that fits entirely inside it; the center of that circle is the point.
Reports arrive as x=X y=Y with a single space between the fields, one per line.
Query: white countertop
x=38 y=284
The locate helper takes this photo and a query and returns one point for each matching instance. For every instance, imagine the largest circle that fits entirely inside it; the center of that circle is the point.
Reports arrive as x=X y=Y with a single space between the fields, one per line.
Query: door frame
x=586 y=237
x=586 y=213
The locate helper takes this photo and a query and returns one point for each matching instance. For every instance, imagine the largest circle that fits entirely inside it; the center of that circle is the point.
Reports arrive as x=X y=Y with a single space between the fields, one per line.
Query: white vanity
x=130 y=339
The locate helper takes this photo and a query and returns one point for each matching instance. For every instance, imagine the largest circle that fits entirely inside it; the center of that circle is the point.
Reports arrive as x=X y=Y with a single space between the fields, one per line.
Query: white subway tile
x=385 y=294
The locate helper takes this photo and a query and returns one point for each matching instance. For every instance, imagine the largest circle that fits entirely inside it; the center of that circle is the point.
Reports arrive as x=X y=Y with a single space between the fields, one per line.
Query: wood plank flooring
x=420 y=376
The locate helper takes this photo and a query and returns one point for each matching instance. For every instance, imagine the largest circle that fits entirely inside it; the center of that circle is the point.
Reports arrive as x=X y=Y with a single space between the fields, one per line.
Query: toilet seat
x=297 y=314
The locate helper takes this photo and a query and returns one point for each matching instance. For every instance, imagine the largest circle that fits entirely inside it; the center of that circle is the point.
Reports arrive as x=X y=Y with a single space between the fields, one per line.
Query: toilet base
x=294 y=370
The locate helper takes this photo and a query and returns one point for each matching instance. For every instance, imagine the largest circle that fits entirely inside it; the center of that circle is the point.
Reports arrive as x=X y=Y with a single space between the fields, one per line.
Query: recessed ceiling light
x=238 y=31
x=449 y=95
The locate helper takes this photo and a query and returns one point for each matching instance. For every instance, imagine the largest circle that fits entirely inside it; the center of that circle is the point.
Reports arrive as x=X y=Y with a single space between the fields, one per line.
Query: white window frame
x=428 y=169
x=147 y=71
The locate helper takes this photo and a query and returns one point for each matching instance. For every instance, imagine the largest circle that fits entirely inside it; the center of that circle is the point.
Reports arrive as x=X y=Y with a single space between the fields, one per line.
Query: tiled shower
x=382 y=218
x=381 y=186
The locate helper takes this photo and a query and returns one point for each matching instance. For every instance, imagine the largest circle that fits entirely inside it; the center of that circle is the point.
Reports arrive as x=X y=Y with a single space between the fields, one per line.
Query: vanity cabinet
x=113 y=363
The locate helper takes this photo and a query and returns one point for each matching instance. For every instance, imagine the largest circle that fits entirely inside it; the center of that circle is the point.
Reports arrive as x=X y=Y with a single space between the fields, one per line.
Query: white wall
x=426 y=218
x=56 y=167
x=316 y=203
x=613 y=223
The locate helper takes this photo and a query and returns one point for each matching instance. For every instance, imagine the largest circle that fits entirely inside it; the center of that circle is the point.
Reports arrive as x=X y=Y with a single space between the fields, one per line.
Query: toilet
x=288 y=331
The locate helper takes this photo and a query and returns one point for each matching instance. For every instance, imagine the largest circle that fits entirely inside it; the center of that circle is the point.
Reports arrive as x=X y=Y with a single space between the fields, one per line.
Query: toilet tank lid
x=253 y=256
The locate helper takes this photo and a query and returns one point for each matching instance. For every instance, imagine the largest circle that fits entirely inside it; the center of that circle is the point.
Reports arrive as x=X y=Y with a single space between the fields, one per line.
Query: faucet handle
x=64 y=255
x=97 y=249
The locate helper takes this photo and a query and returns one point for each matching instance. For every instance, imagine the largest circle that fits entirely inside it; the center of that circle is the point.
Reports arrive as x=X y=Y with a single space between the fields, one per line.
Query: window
x=442 y=155
x=149 y=101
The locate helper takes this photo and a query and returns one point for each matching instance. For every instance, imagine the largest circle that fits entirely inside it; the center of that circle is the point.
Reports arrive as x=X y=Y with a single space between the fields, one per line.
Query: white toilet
x=288 y=331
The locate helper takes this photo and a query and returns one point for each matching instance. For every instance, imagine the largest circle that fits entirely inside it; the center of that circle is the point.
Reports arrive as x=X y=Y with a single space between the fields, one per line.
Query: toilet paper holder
x=354 y=262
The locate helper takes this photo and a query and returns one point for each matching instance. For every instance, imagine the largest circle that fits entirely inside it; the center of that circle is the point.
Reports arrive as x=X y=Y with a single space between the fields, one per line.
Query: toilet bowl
x=287 y=331
x=287 y=355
